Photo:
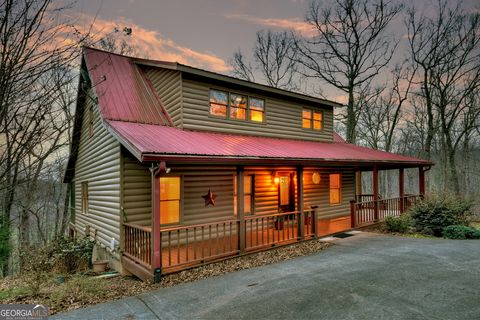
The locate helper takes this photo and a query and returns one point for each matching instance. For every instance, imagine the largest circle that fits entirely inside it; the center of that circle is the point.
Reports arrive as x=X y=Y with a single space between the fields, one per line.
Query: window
x=218 y=103
x=312 y=119
x=248 y=184
x=169 y=200
x=238 y=106
x=257 y=109
x=84 y=207
x=335 y=188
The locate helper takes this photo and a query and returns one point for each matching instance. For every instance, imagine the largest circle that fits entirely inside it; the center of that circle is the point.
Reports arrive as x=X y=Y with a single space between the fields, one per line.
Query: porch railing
x=189 y=245
x=369 y=212
x=138 y=243
x=275 y=229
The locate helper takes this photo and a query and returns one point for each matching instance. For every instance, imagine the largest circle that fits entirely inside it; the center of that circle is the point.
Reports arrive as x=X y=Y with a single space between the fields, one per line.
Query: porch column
x=301 y=220
x=421 y=181
x=241 y=210
x=156 y=235
x=375 y=192
x=358 y=185
x=400 y=189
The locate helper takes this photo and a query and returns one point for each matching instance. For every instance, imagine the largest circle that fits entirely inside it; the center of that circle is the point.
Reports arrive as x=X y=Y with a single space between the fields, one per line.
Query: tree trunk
x=351 y=121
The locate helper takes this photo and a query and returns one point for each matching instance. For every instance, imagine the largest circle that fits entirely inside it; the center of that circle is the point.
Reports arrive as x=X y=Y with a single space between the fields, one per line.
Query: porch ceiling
x=156 y=142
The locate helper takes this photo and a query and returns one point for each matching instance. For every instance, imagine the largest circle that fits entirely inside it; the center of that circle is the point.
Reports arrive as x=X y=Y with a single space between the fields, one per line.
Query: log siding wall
x=168 y=85
x=98 y=164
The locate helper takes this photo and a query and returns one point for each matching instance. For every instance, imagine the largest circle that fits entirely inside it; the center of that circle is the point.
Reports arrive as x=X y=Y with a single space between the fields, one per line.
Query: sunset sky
x=203 y=33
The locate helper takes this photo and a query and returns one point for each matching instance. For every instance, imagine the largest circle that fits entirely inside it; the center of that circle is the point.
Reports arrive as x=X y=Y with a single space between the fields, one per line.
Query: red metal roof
x=153 y=140
x=123 y=91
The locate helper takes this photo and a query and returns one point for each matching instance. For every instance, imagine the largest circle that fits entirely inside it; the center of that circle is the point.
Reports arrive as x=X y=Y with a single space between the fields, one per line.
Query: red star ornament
x=209 y=198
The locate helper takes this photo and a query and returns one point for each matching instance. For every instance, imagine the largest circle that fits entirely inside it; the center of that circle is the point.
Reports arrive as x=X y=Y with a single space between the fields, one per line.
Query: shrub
x=461 y=232
x=400 y=224
x=71 y=255
x=433 y=214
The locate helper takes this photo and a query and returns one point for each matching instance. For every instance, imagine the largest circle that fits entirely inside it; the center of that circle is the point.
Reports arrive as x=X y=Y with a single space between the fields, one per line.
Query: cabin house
x=173 y=166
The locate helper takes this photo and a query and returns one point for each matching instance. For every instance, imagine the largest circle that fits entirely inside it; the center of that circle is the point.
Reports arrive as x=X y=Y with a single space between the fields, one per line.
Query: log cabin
x=172 y=166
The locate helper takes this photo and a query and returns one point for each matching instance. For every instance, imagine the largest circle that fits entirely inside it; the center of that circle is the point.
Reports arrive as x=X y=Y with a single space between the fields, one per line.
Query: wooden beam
x=375 y=192
x=241 y=209
x=156 y=234
x=401 y=184
x=421 y=181
x=301 y=223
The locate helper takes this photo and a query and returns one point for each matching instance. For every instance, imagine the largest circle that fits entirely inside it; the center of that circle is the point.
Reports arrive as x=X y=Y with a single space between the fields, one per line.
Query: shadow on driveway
x=367 y=276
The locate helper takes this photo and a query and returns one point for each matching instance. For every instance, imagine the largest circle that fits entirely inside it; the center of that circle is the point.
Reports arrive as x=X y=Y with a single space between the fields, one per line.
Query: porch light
x=316 y=178
x=276 y=180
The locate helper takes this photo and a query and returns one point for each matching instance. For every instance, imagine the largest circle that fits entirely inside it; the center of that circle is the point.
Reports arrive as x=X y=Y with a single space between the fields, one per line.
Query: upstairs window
x=238 y=106
x=335 y=188
x=312 y=119
x=218 y=103
x=169 y=200
x=257 y=109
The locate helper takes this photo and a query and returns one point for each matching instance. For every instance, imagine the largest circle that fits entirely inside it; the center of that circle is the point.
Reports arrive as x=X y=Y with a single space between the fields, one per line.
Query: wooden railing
x=365 y=197
x=184 y=246
x=369 y=212
x=138 y=243
x=276 y=229
x=198 y=243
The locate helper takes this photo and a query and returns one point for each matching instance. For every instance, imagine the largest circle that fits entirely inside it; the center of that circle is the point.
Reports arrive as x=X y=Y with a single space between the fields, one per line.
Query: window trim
x=340 y=187
x=84 y=198
x=229 y=106
x=312 y=119
x=252 y=195
x=180 y=205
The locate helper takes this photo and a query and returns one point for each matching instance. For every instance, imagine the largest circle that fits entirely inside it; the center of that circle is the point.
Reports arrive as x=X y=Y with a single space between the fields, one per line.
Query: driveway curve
x=366 y=276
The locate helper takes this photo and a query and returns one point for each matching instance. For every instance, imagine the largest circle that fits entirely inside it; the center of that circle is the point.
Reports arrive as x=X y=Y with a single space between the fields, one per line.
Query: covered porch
x=154 y=250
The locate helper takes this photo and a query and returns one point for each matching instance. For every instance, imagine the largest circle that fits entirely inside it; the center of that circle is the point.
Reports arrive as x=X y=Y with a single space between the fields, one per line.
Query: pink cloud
x=153 y=45
x=295 y=24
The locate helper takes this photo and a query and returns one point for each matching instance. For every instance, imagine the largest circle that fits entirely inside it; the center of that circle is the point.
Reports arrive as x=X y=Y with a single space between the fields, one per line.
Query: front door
x=286 y=196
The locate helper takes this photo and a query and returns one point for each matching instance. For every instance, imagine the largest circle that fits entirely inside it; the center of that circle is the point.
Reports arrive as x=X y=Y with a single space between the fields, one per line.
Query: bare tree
x=446 y=49
x=350 y=46
x=273 y=58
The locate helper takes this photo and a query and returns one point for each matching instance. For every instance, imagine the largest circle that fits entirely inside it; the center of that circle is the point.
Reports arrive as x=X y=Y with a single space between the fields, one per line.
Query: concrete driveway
x=366 y=276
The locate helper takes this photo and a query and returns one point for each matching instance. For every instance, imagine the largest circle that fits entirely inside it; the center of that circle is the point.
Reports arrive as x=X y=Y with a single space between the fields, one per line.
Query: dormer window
x=236 y=106
x=218 y=103
x=312 y=119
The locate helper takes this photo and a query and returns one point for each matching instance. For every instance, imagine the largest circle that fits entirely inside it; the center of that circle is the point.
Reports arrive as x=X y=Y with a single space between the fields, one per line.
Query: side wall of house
x=98 y=165
x=283 y=119
x=168 y=85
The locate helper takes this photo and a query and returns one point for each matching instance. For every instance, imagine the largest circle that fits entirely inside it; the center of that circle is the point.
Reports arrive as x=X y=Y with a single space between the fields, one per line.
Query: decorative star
x=209 y=198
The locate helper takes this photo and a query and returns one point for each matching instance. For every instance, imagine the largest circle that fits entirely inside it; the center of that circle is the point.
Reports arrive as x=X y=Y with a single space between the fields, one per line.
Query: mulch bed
x=124 y=286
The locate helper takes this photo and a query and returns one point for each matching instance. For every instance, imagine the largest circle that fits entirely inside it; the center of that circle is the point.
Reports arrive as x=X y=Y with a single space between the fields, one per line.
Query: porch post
x=241 y=210
x=400 y=189
x=375 y=192
x=301 y=222
x=421 y=181
x=156 y=235
x=358 y=185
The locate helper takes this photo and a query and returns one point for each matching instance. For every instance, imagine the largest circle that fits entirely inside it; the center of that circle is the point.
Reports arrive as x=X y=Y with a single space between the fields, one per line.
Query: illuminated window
x=218 y=103
x=312 y=119
x=238 y=106
x=257 y=109
x=335 y=188
x=84 y=207
x=248 y=183
x=284 y=190
x=306 y=119
x=169 y=200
